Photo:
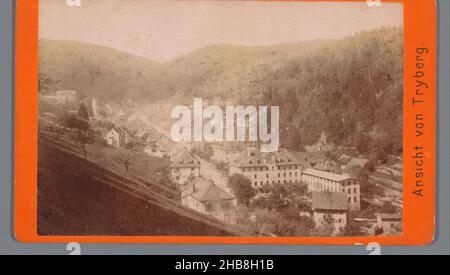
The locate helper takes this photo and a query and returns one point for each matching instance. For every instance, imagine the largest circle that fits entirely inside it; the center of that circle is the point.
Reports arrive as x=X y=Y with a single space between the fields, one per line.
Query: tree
x=241 y=187
x=44 y=83
x=83 y=112
x=84 y=138
x=126 y=162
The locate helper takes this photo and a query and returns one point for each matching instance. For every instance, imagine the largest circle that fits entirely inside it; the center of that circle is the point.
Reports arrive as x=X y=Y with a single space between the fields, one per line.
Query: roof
x=204 y=190
x=119 y=130
x=152 y=136
x=327 y=175
x=329 y=201
x=66 y=92
x=327 y=165
x=357 y=162
x=184 y=159
x=229 y=146
x=256 y=158
x=311 y=157
x=390 y=217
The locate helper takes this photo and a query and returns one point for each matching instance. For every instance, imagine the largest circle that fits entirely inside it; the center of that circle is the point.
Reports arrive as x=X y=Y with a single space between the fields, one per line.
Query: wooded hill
x=352 y=88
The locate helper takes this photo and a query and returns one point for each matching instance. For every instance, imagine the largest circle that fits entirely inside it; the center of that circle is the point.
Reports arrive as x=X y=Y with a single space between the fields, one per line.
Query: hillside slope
x=350 y=89
x=100 y=72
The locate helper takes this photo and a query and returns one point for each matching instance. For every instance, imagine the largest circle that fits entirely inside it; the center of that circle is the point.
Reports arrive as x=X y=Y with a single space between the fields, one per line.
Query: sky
x=163 y=30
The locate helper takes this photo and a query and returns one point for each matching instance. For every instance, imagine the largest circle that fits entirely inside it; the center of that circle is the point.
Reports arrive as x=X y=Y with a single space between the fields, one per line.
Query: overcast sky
x=163 y=30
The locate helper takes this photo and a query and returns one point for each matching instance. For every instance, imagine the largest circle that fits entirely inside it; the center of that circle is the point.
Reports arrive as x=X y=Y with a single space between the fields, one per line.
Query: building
x=327 y=166
x=66 y=97
x=267 y=168
x=325 y=181
x=330 y=208
x=388 y=223
x=355 y=163
x=184 y=167
x=205 y=197
x=152 y=148
x=227 y=151
x=117 y=137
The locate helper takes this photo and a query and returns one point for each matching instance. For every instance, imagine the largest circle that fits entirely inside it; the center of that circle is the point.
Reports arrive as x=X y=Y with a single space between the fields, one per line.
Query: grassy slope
x=68 y=205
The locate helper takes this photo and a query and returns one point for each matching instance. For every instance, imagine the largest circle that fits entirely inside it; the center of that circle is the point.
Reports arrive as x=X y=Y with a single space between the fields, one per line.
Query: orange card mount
x=114 y=111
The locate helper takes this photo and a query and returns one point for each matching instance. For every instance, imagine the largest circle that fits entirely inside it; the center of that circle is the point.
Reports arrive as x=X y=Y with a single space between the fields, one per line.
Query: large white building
x=267 y=168
x=319 y=181
x=184 y=167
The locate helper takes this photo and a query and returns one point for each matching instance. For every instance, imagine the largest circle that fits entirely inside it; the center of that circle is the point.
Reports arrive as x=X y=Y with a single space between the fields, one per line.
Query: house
x=327 y=166
x=205 y=197
x=330 y=208
x=184 y=167
x=355 y=163
x=227 y=151
x=388 y=223
x=318 y=180
x=263 y=168
x=152 y=148
x=66 y=97
x=117 y=137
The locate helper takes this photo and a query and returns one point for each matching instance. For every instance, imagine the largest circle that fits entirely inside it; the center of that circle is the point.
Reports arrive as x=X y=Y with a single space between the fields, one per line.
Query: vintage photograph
x=220 y=118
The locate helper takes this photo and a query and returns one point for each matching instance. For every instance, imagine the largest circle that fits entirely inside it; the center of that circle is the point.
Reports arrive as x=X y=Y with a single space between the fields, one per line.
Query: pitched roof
x=327 y=165
x=327 y=175
x=389 y=217
x=184 y=159
x=204 y=190
x=254 y=157
x=152 y=136
x=329 y=201
x=119 y=130
x=229 y=146
x=357 y=162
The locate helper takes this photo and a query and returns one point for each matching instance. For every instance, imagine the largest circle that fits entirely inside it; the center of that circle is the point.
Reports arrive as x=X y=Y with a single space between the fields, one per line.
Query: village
x=325 y=188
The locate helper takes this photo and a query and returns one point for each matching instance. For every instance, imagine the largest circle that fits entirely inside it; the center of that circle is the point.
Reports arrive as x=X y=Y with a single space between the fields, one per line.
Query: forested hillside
x=350 y=89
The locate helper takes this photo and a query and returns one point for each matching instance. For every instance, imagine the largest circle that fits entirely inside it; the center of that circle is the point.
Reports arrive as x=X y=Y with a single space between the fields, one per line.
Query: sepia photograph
x=220 y=118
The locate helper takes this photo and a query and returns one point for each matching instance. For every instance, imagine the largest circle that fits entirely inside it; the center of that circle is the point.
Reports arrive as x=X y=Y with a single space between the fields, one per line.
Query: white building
x=318 y=181
x=330 y=208
x=388 y=223
x=227 y=151
x=205 y=197
x=117 y=137
x=66 y=97
x=184 y=167
x=267 y=168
